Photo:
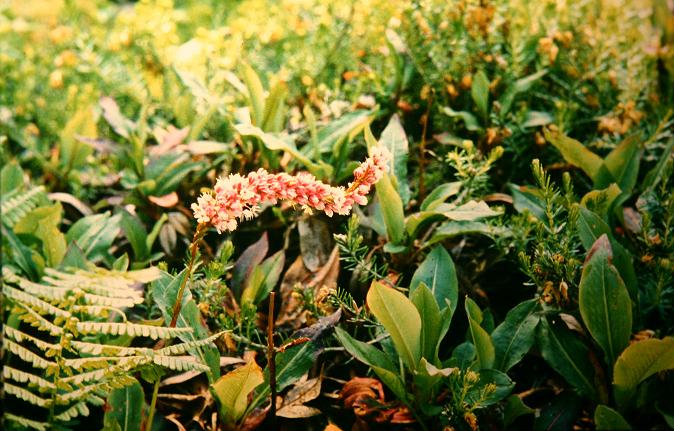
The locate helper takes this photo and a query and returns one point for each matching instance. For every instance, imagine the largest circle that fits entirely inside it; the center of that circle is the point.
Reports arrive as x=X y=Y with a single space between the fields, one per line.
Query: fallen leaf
x=303 y=392
x=165 y=201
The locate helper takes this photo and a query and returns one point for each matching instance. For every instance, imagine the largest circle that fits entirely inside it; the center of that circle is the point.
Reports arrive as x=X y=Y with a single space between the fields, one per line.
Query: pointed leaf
x=484 y=346
x=400 y=319
x=605 y=418
x=514 y=337
x=395 y=140
x=431 y=321
x=124 y=409
x=232 y=389
x=437 y=271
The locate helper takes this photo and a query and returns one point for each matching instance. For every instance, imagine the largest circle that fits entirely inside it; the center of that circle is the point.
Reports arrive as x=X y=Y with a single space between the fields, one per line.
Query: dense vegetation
x=188 y=230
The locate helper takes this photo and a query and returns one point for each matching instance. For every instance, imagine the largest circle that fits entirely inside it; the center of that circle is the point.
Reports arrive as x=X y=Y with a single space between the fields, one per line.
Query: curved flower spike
x=237 y=197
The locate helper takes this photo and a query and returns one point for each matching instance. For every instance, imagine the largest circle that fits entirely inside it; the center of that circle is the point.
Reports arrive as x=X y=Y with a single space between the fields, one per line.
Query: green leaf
x=567 y=355
x=604 y=301
x=232 y=389
x=528 y=199
x=431 y=321
x=438 y=273
x=246 y=263
x=73 y=153
x=400 y=318
x=392 y=210
x=11 y=178
x=135 y=232
x=43 y=223
x=274 y=108
x=576 y=153
x=276 y=143
x=439 y=195
x=537 y=119
x=504 y=385
x=514 y=337
x=470 y=211
x=452 y=229
x=484 y=346
x=655 y=175
x=469 y=119
x=164 y=292
x=590 y=228
x=345 y=127
x=605 y=418
x=623 y=164
x=514 y=408
x=519 y=86
x=256 y=98
x=560 y=414
x=95 y=234
x=124 y=409
x=479 y=91
x=264 y=278
x=392 y=381
x=394 y=139
x=637 y=363
x=293 y=363
x=365 y=353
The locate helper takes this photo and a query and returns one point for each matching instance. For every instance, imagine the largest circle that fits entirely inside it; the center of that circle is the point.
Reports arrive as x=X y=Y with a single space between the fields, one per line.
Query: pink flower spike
x=237 y=197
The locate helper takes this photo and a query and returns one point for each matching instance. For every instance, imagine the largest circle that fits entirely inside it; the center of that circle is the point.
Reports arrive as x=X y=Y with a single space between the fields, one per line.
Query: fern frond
x=101 y=282
x=19 y=337
x=79 y=409
x=177 y=349
x=103 y=362
x=28 y=356
x=28 y=423
x=130 y=329
x=26 y=395
x=25 y=377
x=37 y=321
x=180 y=363
x=36 y=303
x=108 y=349
x=17 y=205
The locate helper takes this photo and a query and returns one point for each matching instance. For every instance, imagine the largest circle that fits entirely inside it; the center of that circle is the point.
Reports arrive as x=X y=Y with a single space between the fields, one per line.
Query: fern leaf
x=37 y=321
x=178 y=349
x=26 y=395
x=130 y=329
x=17 y=205
x=108 y=349
x=79 y=409
x=28 y=356
x=25 y=377
x=180 y=363
x=19 y=337
x=28 y=423
x=34 y=302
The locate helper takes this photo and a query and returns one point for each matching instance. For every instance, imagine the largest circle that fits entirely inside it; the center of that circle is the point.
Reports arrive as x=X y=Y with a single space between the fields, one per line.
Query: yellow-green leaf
x=233 y=388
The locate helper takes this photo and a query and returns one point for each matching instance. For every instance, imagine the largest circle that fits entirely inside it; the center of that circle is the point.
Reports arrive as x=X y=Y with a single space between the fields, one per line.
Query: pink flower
x=237 y=197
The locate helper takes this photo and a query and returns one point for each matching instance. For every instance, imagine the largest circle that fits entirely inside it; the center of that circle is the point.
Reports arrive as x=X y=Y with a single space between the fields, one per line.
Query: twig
x=271 y=359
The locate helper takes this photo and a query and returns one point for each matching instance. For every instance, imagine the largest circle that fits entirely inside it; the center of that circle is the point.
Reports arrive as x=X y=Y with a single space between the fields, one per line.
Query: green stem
x=201 y=229
x=153 y=405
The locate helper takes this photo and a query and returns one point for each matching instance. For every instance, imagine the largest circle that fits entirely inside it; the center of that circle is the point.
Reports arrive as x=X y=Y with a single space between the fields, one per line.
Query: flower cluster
x=237 y=197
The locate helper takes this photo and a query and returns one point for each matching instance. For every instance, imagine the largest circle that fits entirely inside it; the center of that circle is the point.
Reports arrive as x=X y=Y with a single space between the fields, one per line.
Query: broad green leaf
x=124 y=408
x=452 y=229
x=528 y=198
x=232 y=389
x=264 y=278
x=604 y=301
x=519 y=86
x=400 y=318
x=576 y=153
x=431 y=321
x=469 y=119
x=95 y=234
x=559 y=414
x=274 y=108
x=392 y=381
x=471 y=211
x=73 y=153
x=246 y=263
x=504 y=385
x=164 y=293
x=256 y=98
x=590 y=228
x=514 y=337
x=365 y=353
x=345 y=127
x=135 y=232
x=484 y=346
x=293 y=363
x=29 y=262
x=394 y=139
x=637 y=363
x=11 y=177
x=567 y=355
x=392 y=209
x=43 y=223
x=605 y=418
x=437 y=272
x=623 y=163
x=439 y=195
x=602 y=201
x=654 y=176
x=276 y=143
x=514 y=407
x=479 y=91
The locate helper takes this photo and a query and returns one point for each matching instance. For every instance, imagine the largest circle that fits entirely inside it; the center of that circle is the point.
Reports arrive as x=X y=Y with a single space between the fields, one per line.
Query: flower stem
x=201 y=229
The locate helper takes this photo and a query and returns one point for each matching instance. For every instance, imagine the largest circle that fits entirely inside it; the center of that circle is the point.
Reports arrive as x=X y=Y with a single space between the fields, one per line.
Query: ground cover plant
x=304 y=214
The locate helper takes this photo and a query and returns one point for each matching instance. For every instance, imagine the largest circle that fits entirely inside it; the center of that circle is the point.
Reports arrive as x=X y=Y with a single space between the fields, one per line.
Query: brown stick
x=271 y=359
